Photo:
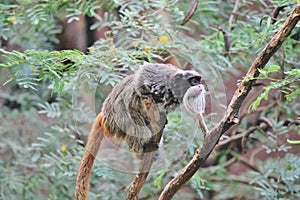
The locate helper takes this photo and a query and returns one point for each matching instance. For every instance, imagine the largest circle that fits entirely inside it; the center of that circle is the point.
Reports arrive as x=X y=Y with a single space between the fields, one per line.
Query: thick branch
x=231 y=116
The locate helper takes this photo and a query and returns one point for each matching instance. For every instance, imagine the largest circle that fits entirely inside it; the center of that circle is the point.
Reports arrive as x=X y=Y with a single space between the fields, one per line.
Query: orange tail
x=85 y=169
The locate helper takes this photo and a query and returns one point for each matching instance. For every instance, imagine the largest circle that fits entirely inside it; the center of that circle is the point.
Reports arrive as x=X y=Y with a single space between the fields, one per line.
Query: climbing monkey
x=137 y=108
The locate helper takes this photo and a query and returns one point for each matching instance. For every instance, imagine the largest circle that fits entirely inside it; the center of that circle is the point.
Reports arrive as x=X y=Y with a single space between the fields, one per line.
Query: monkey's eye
x=195 y=81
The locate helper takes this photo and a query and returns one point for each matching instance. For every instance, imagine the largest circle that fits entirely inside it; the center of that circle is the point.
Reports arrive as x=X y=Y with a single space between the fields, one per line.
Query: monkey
x=136 y=109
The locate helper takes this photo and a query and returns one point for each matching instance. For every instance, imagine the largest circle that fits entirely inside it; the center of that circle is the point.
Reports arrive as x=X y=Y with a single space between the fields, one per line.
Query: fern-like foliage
x=49 y=98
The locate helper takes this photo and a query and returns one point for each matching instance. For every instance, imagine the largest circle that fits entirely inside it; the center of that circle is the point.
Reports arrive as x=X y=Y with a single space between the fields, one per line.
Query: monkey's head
x=170 y=86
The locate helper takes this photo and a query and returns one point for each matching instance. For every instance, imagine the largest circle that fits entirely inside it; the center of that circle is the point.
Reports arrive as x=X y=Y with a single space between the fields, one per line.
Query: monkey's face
x=190 y=91
x=182 y=81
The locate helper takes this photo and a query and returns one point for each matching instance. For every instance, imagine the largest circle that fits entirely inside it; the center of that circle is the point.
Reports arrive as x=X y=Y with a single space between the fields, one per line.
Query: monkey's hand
x=151 y=109
x=156 y=117
x=157 y=122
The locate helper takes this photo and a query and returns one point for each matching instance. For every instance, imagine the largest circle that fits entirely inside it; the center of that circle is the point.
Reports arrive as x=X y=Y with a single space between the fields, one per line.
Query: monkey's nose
x=200 y=88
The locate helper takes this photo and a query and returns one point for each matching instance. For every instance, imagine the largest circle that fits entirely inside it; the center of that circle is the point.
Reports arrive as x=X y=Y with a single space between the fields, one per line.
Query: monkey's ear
x=178 y=80
x=179 y=75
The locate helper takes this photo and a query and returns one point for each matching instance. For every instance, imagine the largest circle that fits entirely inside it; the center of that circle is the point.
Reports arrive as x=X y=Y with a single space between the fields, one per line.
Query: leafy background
x=59 y=59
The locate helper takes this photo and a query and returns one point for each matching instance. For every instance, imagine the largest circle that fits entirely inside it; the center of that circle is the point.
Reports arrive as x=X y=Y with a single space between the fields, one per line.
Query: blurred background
x=60 y=59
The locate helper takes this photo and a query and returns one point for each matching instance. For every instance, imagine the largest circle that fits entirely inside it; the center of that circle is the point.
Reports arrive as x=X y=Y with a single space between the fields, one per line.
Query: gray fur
x=124 y=112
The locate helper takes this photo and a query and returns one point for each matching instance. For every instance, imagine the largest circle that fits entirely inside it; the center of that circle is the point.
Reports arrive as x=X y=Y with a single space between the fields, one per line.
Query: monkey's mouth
x=195 y=91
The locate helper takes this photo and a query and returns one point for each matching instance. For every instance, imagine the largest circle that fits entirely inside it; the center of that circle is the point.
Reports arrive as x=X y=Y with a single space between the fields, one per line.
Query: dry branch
x=231 y=116
x=233 y=14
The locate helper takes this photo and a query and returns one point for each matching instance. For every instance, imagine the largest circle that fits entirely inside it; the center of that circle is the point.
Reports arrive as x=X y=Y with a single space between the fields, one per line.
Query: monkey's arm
x=154 y=117
x=85 y=169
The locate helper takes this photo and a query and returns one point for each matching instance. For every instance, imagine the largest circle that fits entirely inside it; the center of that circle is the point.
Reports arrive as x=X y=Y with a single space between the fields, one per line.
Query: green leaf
x=273 y=68
x=158 y=181
x=263 y=72
x=295 y=142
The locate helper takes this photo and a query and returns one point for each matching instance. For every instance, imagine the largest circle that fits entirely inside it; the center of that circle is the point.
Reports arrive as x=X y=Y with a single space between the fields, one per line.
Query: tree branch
x=231 y=116
x=234 y=12
x=141 y=176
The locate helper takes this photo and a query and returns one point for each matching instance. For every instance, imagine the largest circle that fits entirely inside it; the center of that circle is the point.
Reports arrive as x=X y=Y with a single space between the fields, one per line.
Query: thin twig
x=276 y=12
x=235 y=8
x=157 y=11
x=236 y=137
x=231 y=115
x=202 y=125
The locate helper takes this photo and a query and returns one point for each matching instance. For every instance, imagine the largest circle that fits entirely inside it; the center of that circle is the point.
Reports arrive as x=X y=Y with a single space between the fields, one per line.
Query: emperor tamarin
x=133 y=107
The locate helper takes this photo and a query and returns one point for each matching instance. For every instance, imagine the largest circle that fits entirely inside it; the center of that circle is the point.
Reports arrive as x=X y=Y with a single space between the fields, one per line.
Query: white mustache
x=194 y=100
